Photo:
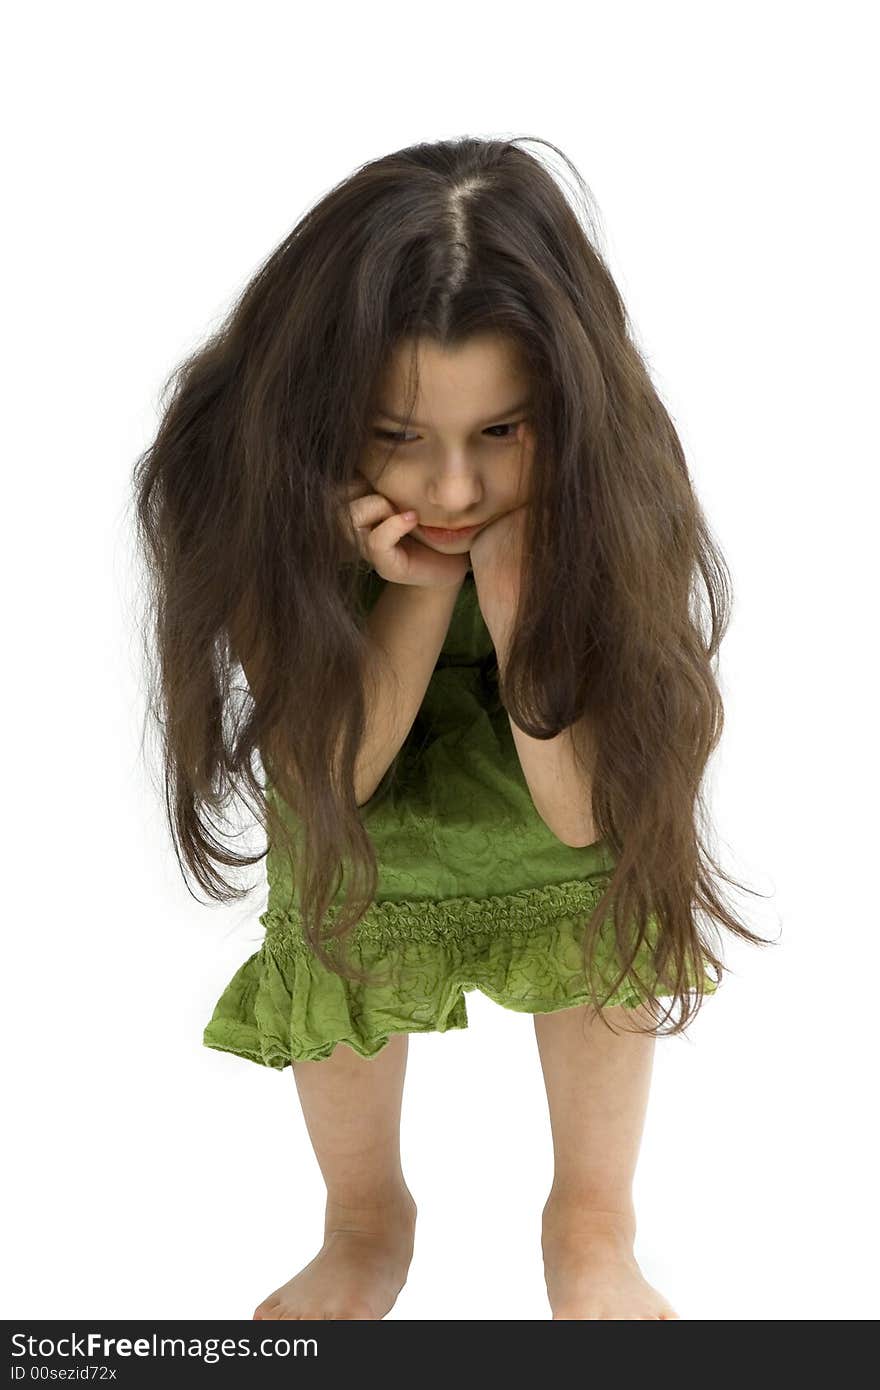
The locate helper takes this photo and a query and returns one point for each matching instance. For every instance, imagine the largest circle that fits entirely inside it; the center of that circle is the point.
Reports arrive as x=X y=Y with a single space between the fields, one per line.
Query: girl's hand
x=383 y=541
x=497 y=556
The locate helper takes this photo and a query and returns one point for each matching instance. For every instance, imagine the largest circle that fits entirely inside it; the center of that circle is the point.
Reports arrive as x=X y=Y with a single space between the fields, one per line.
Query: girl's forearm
x=407 y=627
x=561 y=791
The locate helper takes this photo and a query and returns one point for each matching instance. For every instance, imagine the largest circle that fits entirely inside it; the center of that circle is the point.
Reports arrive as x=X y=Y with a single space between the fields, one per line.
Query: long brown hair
x=249 y=554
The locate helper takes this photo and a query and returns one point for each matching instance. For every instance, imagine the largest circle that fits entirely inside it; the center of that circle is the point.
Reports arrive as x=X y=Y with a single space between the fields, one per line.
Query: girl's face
x=465 y=458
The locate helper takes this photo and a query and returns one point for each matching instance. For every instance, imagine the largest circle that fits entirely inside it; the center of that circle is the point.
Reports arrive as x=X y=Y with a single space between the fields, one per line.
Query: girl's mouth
x=440 y=533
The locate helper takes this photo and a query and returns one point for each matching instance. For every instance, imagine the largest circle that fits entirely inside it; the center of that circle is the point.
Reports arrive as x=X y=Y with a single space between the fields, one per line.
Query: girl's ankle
x=614 y=1214
x=370 y=1208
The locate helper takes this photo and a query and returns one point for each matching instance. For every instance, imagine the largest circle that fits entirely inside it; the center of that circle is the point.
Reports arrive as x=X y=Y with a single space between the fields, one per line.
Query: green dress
x=475 y=891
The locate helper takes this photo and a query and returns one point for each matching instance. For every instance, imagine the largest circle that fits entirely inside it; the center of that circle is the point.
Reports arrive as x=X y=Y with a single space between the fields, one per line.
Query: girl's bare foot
x=589 y=1266
x=359 y=1270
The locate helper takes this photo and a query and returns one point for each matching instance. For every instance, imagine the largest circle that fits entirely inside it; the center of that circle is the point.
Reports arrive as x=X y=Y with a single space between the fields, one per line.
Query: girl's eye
x=399 y=436
x=396 y=436
x=514 y=425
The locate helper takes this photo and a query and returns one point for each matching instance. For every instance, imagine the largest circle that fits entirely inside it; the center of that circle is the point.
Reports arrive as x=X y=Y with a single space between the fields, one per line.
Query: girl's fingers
x=386 y=535
x=395 y=525
x=383 y=547
x=358 y=486
x=375 y=511
x=372 y=507
x=379 y=528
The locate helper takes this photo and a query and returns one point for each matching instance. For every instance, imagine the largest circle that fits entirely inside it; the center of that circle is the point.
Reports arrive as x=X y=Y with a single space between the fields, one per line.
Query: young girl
x=420 y=490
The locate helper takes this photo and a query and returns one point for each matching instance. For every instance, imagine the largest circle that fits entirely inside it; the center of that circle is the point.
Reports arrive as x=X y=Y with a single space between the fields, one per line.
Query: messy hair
x=624 y=598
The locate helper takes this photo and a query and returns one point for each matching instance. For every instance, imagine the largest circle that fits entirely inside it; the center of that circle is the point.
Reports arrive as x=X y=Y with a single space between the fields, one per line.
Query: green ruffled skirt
x=523 y=950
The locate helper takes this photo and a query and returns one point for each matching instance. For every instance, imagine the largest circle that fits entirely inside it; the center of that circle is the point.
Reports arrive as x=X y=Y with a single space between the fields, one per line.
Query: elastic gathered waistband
x=427 y=919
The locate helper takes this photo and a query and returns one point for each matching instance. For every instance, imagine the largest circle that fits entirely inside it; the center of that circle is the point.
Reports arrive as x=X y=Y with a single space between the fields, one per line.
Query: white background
x=154 y=156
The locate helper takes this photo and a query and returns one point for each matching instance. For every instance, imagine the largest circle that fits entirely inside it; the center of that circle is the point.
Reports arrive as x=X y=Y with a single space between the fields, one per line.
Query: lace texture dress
x=475 y=891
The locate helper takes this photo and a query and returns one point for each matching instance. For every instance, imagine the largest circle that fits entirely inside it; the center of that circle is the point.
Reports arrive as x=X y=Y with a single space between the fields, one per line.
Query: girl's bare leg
x=351 y=1106
x=597 y=1091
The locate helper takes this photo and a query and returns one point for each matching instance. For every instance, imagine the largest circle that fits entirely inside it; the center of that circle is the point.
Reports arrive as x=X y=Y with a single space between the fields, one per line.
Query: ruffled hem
x=522 y=950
